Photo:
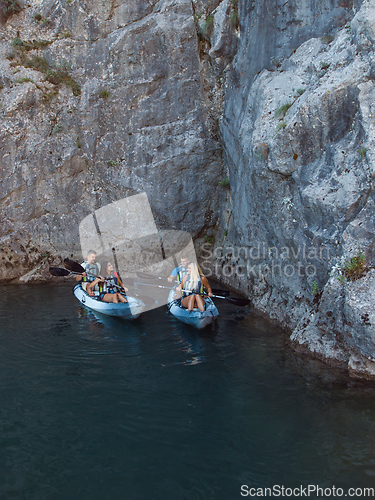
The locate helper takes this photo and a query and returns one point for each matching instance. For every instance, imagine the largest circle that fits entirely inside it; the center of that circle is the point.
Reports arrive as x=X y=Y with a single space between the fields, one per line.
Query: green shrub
x=314 y=287
x=38 y=63
x=208 y=25
x=8 y=8
x=361 y=152
x=104 y=94
x=280 y=126
x=196 y=18
x=25 y=79
x=56 y=128
x=38 y=18
x=356 y=267
x=225 y=183
x=282 y=110
x=111 y=163
x=26 y=45
x=327 y=38
x=324 y=65
x=65 y=34
x=300 y=91
x=78 y=143
x=56 y=75
x=234 y=19
x=17 y=42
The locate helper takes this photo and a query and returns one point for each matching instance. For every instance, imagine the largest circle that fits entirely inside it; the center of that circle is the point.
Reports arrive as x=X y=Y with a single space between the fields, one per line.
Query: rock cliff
x=249 y=124
x=100 y=100
x=298 y=138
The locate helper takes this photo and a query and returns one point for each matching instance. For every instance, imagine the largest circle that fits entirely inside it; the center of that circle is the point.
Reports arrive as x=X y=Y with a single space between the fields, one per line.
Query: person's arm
x=179 y=288
x=172 y=276
x=79 y=277
x=91 y=285
x=121 y=284
x=206 y=285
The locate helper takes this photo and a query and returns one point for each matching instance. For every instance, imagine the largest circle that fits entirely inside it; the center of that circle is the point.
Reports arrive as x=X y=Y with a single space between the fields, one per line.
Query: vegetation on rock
x=225 y=183
x=54 y=74
x=282 y=110
x=104 y=94
x=8 y=8
x=356 y=267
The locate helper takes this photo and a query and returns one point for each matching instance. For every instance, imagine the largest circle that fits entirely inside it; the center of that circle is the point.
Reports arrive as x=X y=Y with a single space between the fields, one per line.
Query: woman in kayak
x=192 y=288
x=108 y=286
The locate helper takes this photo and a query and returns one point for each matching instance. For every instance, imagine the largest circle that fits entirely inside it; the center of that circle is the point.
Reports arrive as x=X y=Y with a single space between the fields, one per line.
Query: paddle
x=149 y=284
x=217 y=291
x=73 y=266
x=238 y=301
x=77 y=268
x=58 y=271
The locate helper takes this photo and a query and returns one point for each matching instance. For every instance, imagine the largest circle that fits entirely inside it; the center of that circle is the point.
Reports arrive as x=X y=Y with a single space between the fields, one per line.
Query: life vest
x=181 y=272
x=197 y=290
x=110 y=284
x=92 y=269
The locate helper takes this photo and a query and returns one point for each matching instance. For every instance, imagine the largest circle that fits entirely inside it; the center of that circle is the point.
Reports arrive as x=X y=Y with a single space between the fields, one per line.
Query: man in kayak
x=91 y=267
x=179 y=272
x=192 y=286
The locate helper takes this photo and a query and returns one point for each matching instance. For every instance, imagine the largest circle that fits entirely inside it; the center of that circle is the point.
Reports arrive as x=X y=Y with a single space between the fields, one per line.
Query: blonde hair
x=194 y=276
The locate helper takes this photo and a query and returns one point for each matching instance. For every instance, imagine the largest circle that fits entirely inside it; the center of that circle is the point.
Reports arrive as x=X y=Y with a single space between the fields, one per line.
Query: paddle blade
x=218 y=291
x=73 y=266
x=58 y=271
x=238 y=301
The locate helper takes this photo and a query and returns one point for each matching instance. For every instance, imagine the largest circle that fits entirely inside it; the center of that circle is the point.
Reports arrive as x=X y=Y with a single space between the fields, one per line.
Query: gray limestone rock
x=100 y=100
x=298 y=135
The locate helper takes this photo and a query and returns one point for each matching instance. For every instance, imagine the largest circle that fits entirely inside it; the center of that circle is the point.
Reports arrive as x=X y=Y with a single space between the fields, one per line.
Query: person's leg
x=110 y=297
x=191 y=302
x=200 y=302
x=121 y=298
x=185 y=302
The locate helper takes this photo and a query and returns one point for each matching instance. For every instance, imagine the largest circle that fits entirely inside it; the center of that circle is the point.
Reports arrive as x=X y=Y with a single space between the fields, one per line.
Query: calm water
x=156 y=410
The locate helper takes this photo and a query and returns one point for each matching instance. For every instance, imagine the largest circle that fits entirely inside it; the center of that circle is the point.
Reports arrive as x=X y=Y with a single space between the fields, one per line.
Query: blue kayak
x=130 y=310
x=198 y=319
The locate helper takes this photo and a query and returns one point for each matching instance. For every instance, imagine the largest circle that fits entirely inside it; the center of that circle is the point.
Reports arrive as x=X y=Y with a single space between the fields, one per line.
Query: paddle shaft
x=233 y=300
x=87 y=274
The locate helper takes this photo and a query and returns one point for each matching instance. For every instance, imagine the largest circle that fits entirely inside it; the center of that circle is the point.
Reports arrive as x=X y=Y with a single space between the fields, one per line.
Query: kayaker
x=91 y=267
x=179 y=272
x=97 y=289
x=112 y=280
x=192 y=286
